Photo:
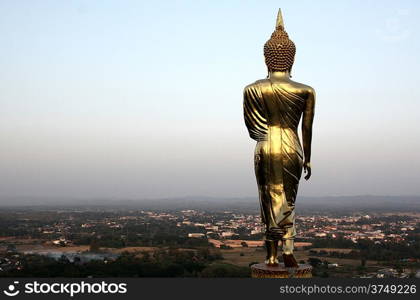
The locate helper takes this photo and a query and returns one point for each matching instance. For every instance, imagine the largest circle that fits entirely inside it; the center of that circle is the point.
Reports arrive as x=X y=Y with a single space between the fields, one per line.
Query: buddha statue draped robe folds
x=272 y=116
x=273 y=108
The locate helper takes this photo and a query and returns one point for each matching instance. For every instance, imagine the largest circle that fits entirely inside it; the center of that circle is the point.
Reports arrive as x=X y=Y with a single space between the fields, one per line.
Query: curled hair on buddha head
x=279 y=50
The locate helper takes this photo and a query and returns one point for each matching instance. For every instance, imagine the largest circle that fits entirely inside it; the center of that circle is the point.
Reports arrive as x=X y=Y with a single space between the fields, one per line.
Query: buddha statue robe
x=272 y=111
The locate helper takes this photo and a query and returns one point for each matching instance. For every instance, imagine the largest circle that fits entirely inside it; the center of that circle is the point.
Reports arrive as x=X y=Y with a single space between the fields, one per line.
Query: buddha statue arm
x=308 y=118
x=254 y=114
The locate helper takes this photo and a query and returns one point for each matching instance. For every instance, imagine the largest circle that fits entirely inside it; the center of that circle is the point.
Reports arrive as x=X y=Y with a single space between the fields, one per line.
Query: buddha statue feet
x=272 y=261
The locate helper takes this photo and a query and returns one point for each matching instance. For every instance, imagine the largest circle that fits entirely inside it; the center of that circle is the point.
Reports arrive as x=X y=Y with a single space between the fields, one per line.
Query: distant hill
x=354 y=203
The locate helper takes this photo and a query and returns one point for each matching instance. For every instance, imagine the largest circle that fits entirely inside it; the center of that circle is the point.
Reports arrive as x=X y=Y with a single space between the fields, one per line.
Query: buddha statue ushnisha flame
x=273 y=108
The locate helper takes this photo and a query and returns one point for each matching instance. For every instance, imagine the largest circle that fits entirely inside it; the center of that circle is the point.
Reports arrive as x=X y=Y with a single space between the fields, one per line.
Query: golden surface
x=273 y=108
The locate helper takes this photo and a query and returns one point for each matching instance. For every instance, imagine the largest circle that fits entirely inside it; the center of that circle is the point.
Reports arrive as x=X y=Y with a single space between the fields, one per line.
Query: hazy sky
x=144 y=98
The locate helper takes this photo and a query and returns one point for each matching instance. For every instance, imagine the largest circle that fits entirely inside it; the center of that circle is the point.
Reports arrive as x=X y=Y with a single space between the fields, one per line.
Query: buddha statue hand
x=308 y=169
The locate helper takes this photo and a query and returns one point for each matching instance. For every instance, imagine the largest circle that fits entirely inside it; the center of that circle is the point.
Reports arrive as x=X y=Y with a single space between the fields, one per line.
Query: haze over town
x=144 y=99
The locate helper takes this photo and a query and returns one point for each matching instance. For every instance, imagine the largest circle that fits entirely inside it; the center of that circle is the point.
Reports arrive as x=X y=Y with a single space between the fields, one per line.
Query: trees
x=162 y=263
x=94 y=245
x=314 y=261
x=225 y=270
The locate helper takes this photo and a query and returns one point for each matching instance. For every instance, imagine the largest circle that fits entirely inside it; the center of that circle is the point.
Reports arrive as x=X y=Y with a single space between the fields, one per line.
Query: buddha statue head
x=279 y=50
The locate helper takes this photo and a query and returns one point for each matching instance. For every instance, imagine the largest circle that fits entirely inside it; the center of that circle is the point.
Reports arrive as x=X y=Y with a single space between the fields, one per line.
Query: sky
x=143 y=99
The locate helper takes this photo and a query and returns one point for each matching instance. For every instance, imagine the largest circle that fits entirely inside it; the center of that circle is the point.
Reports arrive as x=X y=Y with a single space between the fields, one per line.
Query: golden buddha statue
x=273 y=108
